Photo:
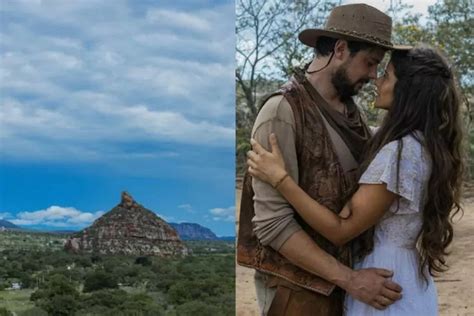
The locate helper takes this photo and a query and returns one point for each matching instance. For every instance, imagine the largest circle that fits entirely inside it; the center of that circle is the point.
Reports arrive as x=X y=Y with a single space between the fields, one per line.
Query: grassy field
x=16 y=301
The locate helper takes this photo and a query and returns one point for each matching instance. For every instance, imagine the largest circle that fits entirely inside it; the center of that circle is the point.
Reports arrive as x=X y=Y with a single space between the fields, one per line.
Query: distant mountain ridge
x=186 y=231
x=227 y=238
x=7 y=224
x=193 y=231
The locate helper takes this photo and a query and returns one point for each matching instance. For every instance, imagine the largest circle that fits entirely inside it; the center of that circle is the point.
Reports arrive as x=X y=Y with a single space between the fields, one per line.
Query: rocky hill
x=192 y=231
x=128 y=229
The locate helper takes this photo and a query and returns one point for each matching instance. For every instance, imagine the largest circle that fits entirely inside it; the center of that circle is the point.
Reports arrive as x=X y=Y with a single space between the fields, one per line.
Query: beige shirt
x=274 y=222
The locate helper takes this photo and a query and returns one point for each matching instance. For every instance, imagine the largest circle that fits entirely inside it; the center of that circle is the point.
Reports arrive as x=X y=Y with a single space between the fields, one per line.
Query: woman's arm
x=367 y=205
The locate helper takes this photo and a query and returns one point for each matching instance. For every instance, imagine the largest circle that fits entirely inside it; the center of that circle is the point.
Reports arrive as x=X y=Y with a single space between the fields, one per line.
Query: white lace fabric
x=396 y=233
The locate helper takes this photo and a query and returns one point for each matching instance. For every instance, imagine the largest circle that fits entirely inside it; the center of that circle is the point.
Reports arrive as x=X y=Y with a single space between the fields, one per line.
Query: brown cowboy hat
x=355 y=22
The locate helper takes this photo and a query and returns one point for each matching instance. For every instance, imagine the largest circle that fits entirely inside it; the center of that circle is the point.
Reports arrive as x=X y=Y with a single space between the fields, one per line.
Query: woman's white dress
x=396 y=233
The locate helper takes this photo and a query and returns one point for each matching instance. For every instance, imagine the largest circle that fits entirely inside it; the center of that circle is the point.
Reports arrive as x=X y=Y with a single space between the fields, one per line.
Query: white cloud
x=223 y=214
x=46 y=134
x=187 y=207
x=61 y=59
x=114 y=78
x=165 y=218
x=5 y=215
x=56 y=216
x=182 y=20
x=64 y=43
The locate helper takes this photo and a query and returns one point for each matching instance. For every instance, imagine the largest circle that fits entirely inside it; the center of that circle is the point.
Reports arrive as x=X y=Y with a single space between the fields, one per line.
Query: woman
x=410 y=183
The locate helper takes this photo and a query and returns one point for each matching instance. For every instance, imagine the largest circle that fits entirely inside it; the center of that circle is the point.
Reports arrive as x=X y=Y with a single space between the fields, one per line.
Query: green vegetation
x=18 y=301
x=5 y=312
x=99 y=280
x=31 y=240
x=54 y=282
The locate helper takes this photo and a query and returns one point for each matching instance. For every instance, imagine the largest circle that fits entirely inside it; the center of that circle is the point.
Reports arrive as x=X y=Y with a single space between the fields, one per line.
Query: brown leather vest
x=321 y=176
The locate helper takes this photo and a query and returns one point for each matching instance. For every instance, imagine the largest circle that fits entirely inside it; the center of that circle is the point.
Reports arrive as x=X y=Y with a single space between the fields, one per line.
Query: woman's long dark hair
x=426 y=99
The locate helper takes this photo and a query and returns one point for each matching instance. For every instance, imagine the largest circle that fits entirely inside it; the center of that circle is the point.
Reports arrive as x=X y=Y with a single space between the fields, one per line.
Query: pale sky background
x=419 y=6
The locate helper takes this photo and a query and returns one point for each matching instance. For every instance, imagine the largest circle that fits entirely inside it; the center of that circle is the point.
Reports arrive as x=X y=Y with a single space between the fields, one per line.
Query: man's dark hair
x=325 y=45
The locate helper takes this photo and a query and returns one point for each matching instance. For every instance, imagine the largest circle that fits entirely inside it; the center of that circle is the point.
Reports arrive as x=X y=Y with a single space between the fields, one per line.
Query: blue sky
x=97 y=97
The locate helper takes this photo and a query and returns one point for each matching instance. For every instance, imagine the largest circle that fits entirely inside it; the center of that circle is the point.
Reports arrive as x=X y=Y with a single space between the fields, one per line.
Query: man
x=321 y=134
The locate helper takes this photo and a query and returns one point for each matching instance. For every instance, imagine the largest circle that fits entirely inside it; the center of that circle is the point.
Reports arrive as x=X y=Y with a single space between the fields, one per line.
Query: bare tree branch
x=266 y=39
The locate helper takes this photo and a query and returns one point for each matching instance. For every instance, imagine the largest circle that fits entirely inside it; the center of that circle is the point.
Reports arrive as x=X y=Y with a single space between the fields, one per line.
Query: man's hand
x=373 y=286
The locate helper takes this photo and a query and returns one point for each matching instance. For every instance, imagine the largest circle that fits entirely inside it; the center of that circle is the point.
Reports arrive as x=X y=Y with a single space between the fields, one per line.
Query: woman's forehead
x=390 y=67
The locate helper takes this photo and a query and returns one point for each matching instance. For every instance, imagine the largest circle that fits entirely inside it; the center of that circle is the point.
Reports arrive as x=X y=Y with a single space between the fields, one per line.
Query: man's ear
x=340 y=49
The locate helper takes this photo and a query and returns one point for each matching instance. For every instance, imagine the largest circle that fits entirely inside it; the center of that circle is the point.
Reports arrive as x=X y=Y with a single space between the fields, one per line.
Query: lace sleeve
x=406 y=180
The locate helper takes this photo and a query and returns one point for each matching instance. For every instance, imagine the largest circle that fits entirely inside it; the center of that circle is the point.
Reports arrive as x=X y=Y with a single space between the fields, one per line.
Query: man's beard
x=344 y=87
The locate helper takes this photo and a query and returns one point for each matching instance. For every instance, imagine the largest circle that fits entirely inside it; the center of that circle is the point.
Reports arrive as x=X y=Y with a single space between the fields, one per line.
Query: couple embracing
x=338 y=219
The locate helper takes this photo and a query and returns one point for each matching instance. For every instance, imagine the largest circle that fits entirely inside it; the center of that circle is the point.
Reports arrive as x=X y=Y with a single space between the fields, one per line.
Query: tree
x=61 y=305
x=109 y=298
x=113 y=302
x=59 y=296
x=267 y=51
x=266 y=38
x=198 y=308
x=5 y=312
x=451 y=23
x=448 y=27
x=142 y=304
x=57 y=284
x=185 y=291
x=4 y=285
x=144 y=261
x=26 y=280
x=99 y=280
x=303 y=14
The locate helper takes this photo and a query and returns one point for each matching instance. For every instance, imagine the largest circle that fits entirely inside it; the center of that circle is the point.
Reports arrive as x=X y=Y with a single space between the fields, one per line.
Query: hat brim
x=310 y=36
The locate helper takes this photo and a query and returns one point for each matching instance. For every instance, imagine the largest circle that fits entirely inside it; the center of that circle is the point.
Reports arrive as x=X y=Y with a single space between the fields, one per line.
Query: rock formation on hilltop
x=128 y=229
x=192 y=231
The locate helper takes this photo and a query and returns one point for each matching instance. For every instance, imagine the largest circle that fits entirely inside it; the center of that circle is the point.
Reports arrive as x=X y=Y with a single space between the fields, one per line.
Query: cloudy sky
x=97 y=97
